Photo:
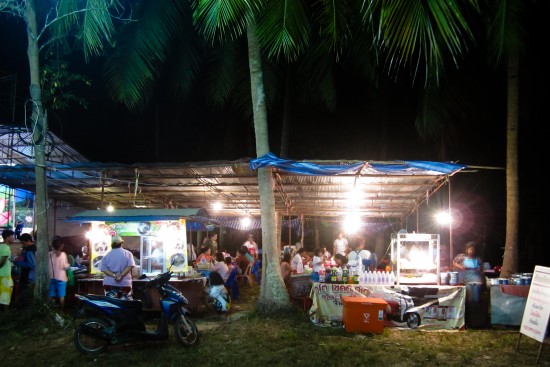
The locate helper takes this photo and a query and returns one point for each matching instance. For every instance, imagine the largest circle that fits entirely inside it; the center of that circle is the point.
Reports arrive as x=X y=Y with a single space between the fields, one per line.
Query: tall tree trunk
x=40 y=131
x=511 y=251
x=273 y=294
x=285 y=133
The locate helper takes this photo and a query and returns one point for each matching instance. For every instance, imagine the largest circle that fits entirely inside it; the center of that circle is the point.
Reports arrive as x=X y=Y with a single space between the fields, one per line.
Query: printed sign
x=537 y=308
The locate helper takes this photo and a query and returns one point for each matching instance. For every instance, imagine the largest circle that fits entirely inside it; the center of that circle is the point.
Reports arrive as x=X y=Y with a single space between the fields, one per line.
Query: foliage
x=59 y=84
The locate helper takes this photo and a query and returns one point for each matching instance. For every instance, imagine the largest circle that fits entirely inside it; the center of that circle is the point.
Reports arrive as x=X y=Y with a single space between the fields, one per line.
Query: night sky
x=195 y=131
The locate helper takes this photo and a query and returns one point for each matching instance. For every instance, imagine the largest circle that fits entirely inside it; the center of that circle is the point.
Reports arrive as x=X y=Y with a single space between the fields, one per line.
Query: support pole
x=451 y=251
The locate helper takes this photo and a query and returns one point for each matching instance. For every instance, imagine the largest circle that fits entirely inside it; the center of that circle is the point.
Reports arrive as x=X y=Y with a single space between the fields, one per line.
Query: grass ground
x=33 y=338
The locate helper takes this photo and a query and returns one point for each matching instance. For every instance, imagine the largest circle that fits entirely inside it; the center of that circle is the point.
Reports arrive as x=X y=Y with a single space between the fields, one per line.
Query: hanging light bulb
x=245 y=222
x=217 y=206
x=110 y=208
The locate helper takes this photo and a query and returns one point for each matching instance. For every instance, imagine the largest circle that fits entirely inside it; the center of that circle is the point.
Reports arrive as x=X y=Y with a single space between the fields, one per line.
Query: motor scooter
x=114 y=321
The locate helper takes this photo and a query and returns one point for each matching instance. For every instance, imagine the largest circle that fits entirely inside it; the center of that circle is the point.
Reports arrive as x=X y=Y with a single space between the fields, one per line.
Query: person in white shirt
x=357 y=256
x=252 y=247
x=340 y=245
x=220 y=266
x=318 y=264
x=297 y=264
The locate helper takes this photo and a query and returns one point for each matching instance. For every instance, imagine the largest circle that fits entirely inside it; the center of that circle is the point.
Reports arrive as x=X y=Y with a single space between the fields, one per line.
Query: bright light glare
x=245 y=222
x=443 y=218
x=217 y=206
x=110 y=208
x=352 y=223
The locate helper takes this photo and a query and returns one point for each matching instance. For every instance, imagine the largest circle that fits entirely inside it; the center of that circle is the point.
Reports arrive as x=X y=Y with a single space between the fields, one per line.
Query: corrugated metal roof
x=92 y=185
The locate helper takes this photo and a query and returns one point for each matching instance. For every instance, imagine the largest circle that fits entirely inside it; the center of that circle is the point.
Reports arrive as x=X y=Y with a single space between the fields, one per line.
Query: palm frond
x=142 y=48
x=505 y=32
x=221 y=19
x=283 y=29
x=335 y=19
x=97 y=26
x=418 y=32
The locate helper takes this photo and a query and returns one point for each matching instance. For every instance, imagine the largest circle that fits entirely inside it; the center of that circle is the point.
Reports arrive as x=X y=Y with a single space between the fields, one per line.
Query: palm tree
x=48 y=23
x=506 y=37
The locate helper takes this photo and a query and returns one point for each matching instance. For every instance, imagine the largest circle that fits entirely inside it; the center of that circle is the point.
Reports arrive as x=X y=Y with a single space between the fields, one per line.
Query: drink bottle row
x=345 y=276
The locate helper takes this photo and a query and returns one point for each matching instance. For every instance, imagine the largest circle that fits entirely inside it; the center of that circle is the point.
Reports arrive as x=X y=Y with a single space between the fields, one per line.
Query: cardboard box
x=364 y=315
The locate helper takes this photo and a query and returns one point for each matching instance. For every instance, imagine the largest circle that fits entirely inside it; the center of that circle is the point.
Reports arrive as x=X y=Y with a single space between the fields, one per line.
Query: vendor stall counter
x=508 y=303
x=425 y=306
x=191 y=288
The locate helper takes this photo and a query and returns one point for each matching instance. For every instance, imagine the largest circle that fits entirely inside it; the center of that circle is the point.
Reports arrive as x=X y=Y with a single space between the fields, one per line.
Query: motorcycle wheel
x=186 y=331
x=413 y=320
x=88 y=344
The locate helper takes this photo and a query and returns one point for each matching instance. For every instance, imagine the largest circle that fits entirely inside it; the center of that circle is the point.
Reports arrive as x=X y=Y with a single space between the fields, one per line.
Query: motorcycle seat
x=136 y=304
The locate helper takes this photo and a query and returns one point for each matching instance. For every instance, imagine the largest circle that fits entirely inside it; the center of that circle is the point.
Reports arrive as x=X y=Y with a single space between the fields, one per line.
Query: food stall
x=428 y=307
x=415 y=296
x=160 y=237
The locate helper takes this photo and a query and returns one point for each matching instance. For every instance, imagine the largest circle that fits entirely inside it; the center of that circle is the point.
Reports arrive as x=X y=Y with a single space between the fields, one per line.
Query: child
x=218 y=296
x=317 y=264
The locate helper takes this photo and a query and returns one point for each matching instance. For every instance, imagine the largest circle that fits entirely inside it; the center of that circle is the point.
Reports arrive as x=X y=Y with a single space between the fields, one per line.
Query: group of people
x=353 y=256
x=218 y=265
x=25 y=263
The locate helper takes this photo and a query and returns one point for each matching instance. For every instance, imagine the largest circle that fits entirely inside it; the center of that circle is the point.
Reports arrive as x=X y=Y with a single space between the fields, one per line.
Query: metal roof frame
x=92 y=185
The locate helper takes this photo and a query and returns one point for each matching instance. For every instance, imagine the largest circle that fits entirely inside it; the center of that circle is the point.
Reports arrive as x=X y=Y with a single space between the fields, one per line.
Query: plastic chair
x=232 y=285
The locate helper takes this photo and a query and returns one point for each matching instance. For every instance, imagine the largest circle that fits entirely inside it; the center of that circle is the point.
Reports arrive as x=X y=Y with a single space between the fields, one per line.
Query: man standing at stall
x=117 y=266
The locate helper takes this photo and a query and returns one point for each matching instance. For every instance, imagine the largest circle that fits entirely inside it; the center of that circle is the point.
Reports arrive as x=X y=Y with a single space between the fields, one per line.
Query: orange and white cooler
x=363 y=314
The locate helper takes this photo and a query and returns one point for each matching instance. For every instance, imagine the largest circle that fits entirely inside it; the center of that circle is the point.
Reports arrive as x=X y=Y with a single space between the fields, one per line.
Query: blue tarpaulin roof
x=309 y=168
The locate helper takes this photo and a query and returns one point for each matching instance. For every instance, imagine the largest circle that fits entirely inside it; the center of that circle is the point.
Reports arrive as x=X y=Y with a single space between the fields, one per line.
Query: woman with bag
x=57 y=266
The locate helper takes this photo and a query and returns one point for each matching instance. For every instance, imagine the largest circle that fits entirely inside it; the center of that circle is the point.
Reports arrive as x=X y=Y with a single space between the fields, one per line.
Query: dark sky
x=194 y=131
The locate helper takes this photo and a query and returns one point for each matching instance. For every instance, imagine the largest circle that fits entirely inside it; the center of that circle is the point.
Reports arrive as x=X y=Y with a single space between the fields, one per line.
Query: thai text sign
x=537 y=308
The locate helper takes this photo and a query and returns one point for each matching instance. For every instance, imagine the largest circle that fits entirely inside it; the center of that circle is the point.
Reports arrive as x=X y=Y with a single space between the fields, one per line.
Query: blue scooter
x=117 y=321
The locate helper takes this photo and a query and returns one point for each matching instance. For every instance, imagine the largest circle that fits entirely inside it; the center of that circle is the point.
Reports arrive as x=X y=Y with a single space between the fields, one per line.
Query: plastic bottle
x=300 y=268
x=328 y=274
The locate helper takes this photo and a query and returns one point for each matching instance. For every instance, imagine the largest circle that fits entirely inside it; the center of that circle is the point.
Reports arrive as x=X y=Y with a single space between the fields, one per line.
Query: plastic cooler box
x=364 y=315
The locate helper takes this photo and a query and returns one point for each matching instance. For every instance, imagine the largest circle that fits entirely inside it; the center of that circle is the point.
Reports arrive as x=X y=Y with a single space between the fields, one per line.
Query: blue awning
x=367 y=167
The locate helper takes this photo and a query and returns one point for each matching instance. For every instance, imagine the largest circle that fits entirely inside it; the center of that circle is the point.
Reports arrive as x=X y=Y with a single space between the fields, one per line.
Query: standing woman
x=469 y=266
x=58 y=264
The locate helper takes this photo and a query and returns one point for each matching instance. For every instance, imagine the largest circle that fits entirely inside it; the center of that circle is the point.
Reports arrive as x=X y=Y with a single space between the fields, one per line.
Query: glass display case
x=152 y=252
x=416 y=258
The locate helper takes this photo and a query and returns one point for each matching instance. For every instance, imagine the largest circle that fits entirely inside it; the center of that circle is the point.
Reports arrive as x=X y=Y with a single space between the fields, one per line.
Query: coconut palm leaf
x=420 y=33
x=143 y=48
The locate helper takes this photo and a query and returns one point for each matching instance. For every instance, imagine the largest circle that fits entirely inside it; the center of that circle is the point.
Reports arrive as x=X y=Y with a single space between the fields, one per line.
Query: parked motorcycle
x=114 y=321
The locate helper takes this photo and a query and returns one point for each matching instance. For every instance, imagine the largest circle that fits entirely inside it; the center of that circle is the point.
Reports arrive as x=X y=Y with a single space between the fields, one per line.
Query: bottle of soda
x=345 y=276
x=334 y=276
x=328 y=274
